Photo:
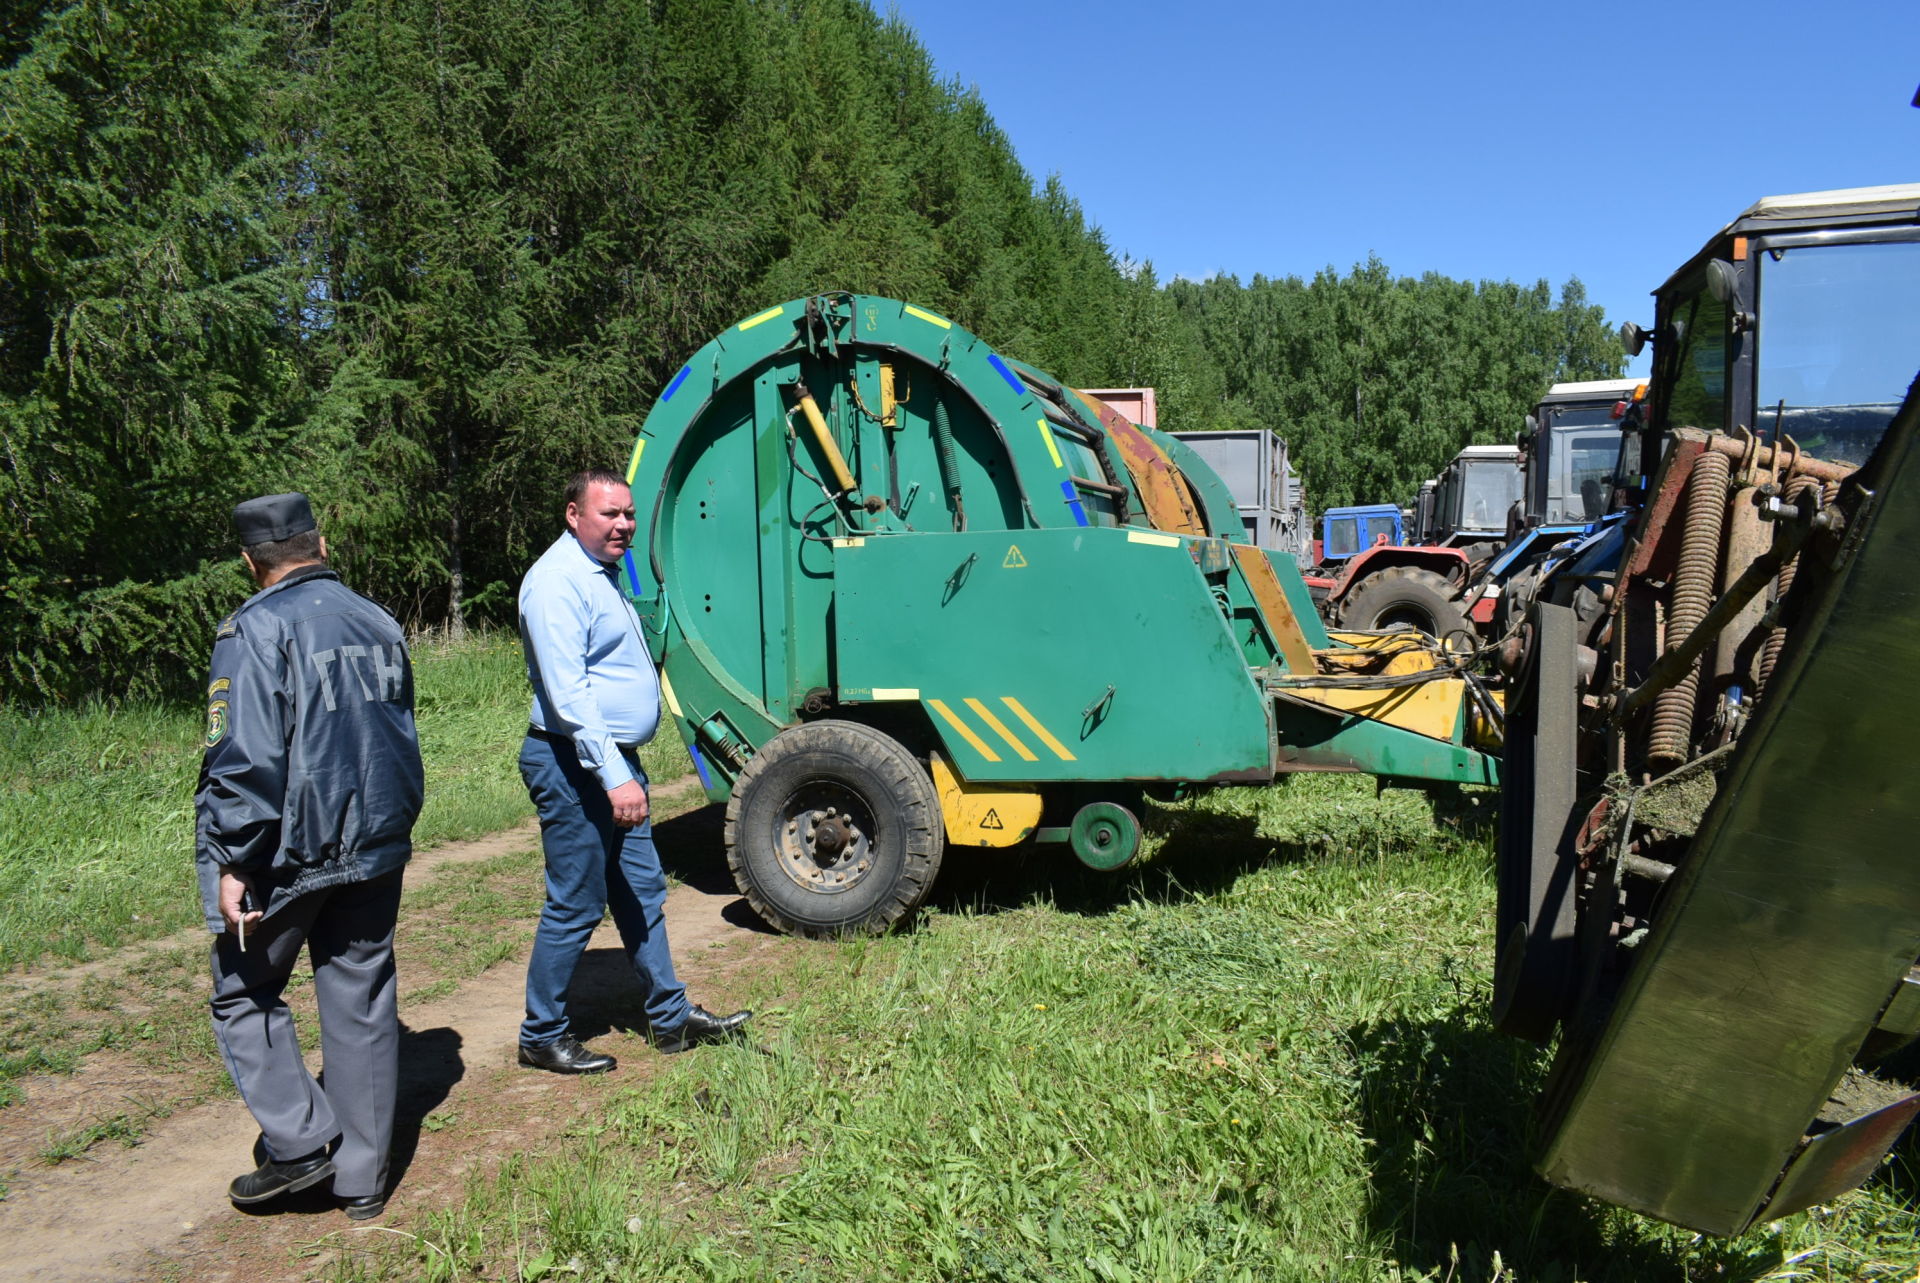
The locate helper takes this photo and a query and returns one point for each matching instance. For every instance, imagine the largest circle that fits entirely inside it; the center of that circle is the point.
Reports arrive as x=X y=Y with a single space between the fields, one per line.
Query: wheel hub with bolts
x=825 y=843
x=1104 y=836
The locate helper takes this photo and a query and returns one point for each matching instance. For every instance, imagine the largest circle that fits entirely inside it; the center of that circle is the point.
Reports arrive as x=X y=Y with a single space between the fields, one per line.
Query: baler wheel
x=834 y=829
x=1410 y=596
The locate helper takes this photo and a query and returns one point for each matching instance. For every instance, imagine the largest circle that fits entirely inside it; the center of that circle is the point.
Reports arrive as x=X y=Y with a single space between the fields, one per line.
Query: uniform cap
x=271 y=518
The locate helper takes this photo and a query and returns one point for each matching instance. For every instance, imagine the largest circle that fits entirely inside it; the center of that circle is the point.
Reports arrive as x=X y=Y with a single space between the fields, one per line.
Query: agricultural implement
x=910 y=594
x=1708 y=884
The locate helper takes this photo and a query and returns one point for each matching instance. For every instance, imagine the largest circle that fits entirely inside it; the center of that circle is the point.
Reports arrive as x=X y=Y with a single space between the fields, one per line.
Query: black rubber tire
x=863 y=789
x=1406 y=596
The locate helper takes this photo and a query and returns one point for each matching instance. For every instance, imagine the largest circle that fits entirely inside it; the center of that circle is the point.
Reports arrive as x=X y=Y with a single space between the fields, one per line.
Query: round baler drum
x=1406 y=596
x=833 y=829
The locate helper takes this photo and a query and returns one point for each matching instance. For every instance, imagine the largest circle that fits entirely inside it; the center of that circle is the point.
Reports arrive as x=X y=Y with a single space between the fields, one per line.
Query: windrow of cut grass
x=1260 y=1055
x=96 y=803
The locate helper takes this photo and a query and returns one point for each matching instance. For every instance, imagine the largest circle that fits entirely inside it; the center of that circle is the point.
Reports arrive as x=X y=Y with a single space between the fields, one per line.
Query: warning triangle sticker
x=992 y=821
x=1014 y=560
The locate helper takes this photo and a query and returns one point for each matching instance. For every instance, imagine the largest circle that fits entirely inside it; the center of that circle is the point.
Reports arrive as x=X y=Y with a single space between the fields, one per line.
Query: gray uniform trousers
x=349 y=932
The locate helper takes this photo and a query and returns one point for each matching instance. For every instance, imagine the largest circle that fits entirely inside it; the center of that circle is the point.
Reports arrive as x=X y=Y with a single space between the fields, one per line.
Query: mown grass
x=1263 y=1055
x=96 y=804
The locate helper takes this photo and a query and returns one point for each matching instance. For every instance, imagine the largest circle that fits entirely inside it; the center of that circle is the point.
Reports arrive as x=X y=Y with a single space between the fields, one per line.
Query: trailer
x=912 y=596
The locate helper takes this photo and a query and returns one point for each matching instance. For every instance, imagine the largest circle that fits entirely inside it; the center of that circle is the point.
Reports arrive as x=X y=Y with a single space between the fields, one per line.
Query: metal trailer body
x=907 y=592
x=1708 y=888
x=1254 y=464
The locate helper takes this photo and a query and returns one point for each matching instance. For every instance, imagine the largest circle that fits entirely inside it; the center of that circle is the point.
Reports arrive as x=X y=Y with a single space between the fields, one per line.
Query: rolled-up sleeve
x=555 y=625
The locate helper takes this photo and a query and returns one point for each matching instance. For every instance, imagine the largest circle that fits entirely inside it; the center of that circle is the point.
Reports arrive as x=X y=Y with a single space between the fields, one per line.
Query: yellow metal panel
x=1272 y=600
x=965 y=732
x=977 y=816
x=1431 y=708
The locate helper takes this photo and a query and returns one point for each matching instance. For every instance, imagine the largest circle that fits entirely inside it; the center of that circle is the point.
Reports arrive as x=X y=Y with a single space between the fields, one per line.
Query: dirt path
x=159 y=1209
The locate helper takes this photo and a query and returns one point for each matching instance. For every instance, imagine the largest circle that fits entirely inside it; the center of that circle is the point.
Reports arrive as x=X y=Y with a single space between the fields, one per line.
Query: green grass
x=1261 y=1055
x=96 y=816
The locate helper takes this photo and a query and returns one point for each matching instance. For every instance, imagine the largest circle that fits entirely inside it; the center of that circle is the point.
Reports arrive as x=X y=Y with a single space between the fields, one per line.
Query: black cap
x=271 y=518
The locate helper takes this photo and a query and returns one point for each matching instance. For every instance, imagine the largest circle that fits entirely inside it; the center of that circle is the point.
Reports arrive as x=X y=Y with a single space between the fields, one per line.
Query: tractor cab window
x=1380 y=530
x=1582 y=453
x=1694 y=358
x=1839 y=343
x=1343 y=537
x=1487 y=490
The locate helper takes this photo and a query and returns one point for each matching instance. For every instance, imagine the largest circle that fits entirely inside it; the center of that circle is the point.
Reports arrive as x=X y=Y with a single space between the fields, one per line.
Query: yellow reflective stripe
x=666 y=693
x=896 y=692
x=633 y=464
x=1033 y=724
x=929 y=317
x=1046 y=435
x=1158 y=541
x=1000 y=729
x=767 y=315
x=966 y=732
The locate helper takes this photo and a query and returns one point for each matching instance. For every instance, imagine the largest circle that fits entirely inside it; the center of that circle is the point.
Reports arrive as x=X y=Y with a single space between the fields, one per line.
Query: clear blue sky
x=1479 y=140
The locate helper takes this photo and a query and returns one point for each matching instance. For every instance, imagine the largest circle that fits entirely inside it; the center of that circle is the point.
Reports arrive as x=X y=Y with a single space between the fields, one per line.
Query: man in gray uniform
x=305 y=809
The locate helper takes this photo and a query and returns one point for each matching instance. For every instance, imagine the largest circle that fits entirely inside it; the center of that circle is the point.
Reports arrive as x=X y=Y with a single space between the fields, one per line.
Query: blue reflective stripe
x=633 y=575
x=1073 y=502
x=700 y=767
x=678 y=379
x=1013 y=380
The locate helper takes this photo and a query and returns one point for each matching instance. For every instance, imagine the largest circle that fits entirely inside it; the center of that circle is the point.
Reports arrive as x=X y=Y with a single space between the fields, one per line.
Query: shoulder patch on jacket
x=217 y=711
x=229 y=627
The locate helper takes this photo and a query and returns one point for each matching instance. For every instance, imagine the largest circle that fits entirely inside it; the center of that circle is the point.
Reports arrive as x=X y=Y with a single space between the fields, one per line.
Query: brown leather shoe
x=565 y=1055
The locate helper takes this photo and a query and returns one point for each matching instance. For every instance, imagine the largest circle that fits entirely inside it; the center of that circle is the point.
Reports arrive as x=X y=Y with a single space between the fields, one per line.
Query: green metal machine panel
x=1086 y=654
x=1790 y=924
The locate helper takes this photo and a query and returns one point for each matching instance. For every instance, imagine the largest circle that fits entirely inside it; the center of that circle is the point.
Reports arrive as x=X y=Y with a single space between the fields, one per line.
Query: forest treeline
x=424 y=258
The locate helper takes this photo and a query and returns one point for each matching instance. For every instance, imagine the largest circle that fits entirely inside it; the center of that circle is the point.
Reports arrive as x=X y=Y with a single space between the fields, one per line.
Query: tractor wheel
x=834 y=829
x=1406 y=596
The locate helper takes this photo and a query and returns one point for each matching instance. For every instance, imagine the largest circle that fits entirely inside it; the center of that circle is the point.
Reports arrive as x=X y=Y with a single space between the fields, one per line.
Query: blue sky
x=1482 y=141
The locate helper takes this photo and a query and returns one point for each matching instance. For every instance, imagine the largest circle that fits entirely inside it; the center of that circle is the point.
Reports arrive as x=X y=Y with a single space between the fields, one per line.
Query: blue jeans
x=592 y=866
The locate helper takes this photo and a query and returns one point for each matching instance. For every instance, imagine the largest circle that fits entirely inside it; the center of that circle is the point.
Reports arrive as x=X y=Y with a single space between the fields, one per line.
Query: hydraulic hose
x=1693 y=585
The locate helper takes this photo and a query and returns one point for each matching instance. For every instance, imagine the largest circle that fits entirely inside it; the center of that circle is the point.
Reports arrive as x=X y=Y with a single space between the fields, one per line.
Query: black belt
x=567 y=740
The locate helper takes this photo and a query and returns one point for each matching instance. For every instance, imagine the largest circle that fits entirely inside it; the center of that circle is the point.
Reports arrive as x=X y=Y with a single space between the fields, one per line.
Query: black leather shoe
x=364 y=1208
x=700 y=1026
x=271 y=1179
x=565 y=1055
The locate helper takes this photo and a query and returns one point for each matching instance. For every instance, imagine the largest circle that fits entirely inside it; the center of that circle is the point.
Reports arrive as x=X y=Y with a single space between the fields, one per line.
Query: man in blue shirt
x=596 y=700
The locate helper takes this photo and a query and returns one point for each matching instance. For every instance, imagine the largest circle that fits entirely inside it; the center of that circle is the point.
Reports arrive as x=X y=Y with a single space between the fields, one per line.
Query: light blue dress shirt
x=593 y=678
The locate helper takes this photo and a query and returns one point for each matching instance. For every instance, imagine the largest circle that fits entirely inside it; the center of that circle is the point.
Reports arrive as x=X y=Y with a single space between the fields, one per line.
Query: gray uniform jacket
x=312 y=772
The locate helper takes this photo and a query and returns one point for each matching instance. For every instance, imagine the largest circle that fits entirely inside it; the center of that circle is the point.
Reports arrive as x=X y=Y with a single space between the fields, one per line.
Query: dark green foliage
x=424 y=258
x=1376 y=381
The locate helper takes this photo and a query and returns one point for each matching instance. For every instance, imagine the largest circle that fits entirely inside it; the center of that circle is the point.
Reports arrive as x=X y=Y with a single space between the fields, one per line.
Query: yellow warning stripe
x=966 y=732
x=1046 y=435
x=929 y=317
x=767 y=315
x=896 y=692
x=1033 y=724
x=1158 y=541
x=666 y=693
x=633 y=464
x=1000 y=729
